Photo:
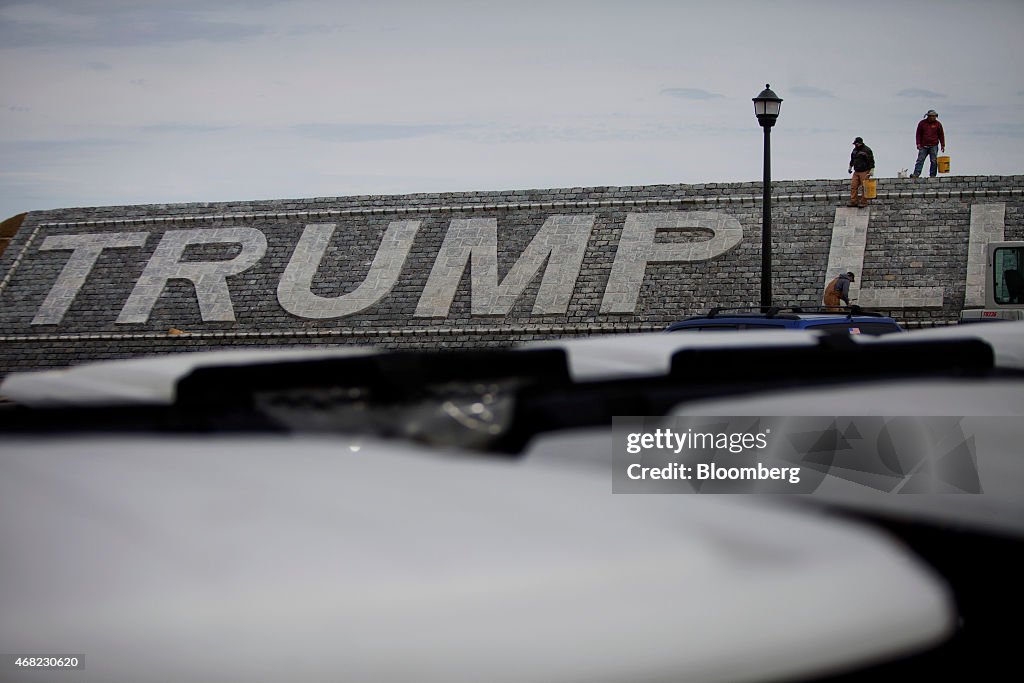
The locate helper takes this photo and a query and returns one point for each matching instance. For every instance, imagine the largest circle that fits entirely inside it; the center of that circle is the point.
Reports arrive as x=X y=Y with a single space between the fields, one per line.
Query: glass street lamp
x=767 y=106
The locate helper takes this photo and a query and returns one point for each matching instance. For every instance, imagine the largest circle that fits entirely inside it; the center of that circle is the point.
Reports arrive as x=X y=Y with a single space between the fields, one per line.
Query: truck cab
x=1004 y=285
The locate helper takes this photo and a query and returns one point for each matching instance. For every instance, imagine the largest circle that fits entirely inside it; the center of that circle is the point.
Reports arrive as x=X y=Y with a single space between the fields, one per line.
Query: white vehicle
x=1004 y=285
x=451 y=516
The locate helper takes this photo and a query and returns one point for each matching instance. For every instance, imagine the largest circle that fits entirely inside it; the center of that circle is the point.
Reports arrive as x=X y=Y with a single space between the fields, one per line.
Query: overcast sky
x=134 y=101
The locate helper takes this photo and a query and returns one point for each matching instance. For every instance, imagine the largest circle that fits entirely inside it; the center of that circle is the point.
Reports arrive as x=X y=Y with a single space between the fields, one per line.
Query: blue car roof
x=786 y=318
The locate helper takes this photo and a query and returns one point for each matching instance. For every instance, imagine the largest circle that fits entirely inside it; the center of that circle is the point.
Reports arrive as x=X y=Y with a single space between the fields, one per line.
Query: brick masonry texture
x=914 y=265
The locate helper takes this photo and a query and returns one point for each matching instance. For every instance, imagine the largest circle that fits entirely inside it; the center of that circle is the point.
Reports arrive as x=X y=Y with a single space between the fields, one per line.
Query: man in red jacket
x=929 y=137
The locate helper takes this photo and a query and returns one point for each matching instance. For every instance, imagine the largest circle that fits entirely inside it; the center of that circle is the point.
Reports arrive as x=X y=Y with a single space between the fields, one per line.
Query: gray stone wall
x=479 y=269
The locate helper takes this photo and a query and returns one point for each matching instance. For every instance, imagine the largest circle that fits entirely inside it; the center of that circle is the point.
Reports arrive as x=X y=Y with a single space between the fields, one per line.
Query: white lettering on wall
x=85 y=250
x=208 y=277
x=294 y=290
x=987 y=225
x=846 y=253
x=637 y=248
x=558 y=249
x=561 y=242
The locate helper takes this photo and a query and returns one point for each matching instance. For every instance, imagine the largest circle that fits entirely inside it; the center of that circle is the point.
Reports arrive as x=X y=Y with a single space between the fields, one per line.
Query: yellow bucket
x=870 y=188
x=943 y=163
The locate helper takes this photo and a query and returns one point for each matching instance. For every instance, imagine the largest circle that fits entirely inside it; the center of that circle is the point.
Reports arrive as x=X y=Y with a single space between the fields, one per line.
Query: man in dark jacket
x=838 y=289
x=929 y=136
x=862 y=165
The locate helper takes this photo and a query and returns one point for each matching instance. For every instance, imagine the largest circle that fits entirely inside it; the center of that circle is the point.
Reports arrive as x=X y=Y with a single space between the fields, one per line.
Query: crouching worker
x=838 y=290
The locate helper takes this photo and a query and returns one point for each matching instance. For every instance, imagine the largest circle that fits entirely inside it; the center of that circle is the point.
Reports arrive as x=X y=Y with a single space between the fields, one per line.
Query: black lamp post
x=766 y=107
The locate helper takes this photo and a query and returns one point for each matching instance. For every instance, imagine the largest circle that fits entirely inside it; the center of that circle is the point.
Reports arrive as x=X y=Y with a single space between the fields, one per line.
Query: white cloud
x=920 y=93
x=690 y=93
x=810 y=91
x=119 y=24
